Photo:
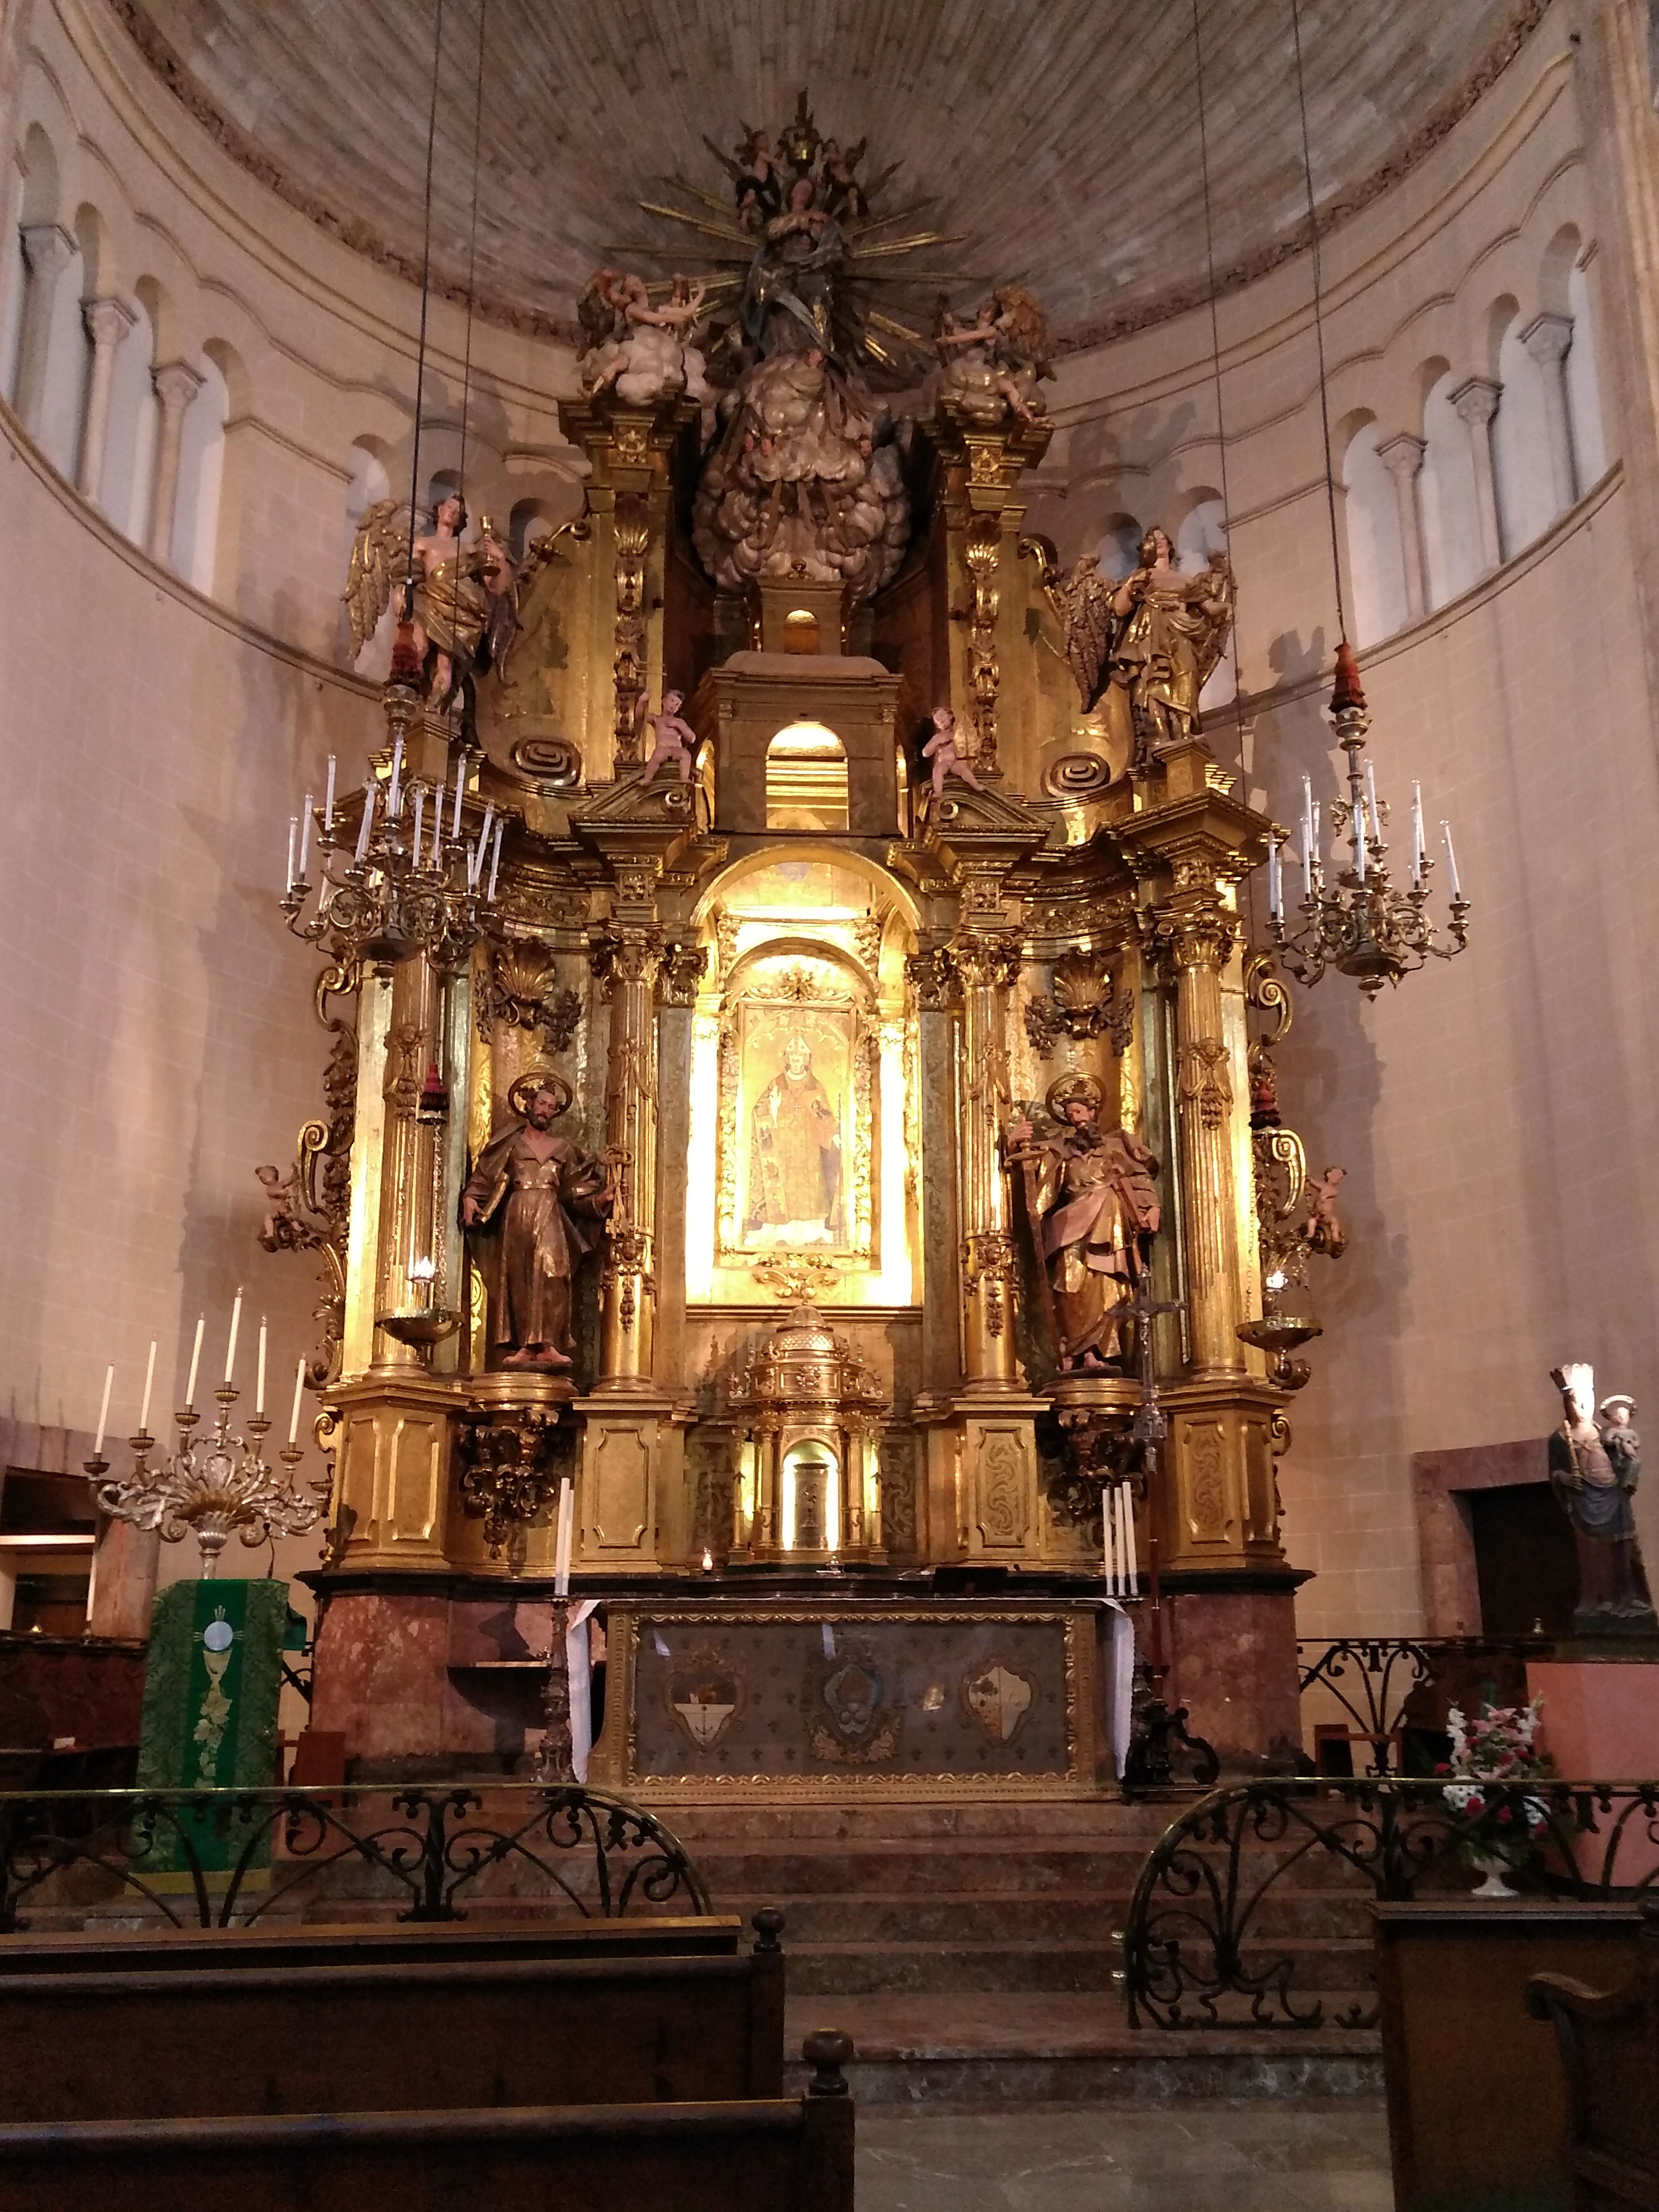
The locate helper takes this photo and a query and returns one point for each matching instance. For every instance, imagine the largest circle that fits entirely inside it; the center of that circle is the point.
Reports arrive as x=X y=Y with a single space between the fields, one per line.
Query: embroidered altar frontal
x=878 y=1700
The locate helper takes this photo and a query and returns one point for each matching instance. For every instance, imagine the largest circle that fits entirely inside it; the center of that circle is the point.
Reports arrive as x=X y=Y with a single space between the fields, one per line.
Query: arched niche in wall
x=194 y=542
x=1446 y=490
x=1527 y=499
x=36 y=202
x=806 y=779
x=1198 y=524
x=1370 y=506
x=1565 y=287
x=129 y=441
x=1118 y=546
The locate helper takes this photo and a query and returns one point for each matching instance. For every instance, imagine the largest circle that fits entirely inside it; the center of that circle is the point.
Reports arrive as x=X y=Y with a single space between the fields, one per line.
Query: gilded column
x=1197 y=937
x=107 y=322
x=989 y=966
x=626 y=959
x=176 y=386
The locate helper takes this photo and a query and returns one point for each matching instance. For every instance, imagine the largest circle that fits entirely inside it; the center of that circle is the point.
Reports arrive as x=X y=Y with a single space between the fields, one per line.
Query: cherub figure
x=843 y=195
x=941 y=750
x=994 y=367
x=642 y=352
x=673 y=741
x=1321 y=1231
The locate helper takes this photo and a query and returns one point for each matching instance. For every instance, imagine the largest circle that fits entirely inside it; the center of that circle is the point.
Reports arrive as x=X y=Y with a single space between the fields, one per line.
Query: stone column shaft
x=988 y=965
x=107 y=323
x=48 y=250
x=1476 y=401
x=1402 y=457
x=1548 y=339
x=176 y=386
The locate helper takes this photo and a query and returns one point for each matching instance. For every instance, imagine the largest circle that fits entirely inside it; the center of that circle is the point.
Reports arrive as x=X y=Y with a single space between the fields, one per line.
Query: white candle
x=483 y=844
x=1359 y=840
x=471 y=865
x=1121 y=1539
x=293 y=839
x=420 y=819
x=259 y=1386
x=1451 y=861
x=1371 y=800
x=328 y=799
x=305 y=838
x=1107 y=1541
x=1272 y=876
x=195 y=1362
x=460 y=786
x=369 y=819
x=562 y=1554
x=437 y=829
x=1307 y=866
x=1316 y=829
x=149 y=1383
x=1308 y=833
x=103 y=1412
x=395 y=790
x=235 y=1324
x=1417 y=835
x=299 y=1390
x=1129 y=1539
x=495 y=861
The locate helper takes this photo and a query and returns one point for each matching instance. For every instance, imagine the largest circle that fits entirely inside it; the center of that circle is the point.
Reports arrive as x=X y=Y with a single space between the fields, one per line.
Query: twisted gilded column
x=626 y=959
x=988 y=967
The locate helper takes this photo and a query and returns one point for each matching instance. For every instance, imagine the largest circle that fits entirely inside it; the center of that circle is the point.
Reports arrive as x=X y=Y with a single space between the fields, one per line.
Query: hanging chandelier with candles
x=1356 y=920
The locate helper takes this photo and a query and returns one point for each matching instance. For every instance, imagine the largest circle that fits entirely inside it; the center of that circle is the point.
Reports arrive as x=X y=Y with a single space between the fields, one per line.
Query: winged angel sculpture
x=1140 y=651
x=460 y=602
x=805 y=477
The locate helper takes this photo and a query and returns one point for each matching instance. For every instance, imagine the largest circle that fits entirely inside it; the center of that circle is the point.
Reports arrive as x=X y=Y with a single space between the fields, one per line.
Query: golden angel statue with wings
x=461 y=601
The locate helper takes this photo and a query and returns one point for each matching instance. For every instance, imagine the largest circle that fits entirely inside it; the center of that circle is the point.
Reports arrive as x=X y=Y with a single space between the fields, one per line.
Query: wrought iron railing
x=1369 y=1680
x=225 y=1857
x=1245 y=1913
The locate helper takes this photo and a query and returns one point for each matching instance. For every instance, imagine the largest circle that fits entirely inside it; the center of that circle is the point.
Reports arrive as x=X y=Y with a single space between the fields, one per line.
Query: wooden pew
x=234 y=2022
x=1609 y=2047
x=770 y=2154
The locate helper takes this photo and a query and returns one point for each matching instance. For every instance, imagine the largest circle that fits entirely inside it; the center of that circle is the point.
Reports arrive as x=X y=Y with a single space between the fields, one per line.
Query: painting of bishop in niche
x=797 y=1065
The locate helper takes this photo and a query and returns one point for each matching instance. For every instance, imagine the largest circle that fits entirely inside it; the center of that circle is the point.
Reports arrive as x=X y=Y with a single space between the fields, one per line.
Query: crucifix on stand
x=1149 y=1763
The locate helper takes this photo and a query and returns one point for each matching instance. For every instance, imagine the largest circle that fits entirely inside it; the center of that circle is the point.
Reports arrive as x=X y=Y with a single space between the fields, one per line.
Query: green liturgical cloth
x=212 y=1685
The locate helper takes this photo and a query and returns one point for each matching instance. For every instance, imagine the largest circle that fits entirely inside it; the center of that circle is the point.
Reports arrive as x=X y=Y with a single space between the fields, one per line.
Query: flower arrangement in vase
x=1500 y=1744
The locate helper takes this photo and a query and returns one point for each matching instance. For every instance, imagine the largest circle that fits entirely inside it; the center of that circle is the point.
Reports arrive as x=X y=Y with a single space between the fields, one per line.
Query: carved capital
x=932 y=977
x=682 y=969
x=176 y=385
x=988 y=962
x=1548 y=338
x=620 y=954
x=107 y=322
x=1197 y=934
x=1402 y=456
x=1476 y=400
x=48 y=249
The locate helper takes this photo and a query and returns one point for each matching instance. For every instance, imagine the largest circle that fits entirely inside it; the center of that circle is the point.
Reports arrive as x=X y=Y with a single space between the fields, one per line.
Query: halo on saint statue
x=1061 y=1094
x=524 y=1088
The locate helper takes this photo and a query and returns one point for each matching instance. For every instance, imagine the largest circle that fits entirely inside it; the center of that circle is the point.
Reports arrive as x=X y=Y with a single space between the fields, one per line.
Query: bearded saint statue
x=794 y=1155
x=1093 y=1210
x=521 y=1208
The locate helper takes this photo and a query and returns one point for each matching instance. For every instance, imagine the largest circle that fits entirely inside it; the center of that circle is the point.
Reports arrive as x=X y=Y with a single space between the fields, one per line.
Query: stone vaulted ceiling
x=1060 y=136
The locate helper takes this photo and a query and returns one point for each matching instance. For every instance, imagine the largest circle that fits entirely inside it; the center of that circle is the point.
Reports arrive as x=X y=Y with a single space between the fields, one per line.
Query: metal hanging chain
x=426 y=298
x=1319 y=319
x=1215 y=359
x=471 y=274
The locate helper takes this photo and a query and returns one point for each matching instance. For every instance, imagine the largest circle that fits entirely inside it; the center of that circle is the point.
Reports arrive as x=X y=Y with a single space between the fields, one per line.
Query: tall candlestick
x=260 y=1386
x=1451 y=861
x=235 y=1324
x=299 y=1390
x=328 y=800
x=495 y=861
x=368 y=822
x=420 y=819
x=394 y=789
x=1272 y=876
x=149 y=1383
x=195 y=1362
x=460 y=787
x=562 y=1553
x=103 y=1412
x=1128 y=1497
x=292 y=838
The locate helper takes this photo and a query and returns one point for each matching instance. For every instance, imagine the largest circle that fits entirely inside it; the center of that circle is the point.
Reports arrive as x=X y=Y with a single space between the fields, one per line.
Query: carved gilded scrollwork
x=682 y=969
x=507 y=1472
x=518 y=992
x=982 y=552
x=987 y=1258
x=932 y=976
x=1201 y=1083
x=309 y=1209
x=633 y=535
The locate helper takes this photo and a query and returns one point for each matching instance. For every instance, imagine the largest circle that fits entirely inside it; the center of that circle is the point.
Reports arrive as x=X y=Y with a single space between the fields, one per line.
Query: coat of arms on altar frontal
x=851 y=1717
x=705 y=1695
x=998 y=1699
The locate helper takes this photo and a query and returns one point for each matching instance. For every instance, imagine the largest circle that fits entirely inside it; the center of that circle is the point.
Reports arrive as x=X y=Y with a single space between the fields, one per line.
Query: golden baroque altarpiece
x=813 y=868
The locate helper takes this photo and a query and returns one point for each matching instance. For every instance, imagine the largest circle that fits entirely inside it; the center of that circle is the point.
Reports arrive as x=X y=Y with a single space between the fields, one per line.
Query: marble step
x=1090 y=1915
x=1057 y=2048
x=1336 y=1971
